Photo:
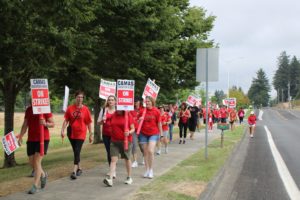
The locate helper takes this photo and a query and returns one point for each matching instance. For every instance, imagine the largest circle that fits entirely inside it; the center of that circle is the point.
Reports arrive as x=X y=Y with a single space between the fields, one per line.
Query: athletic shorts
x=251 y=125
x=117 y=148
x=144 y=139
x=34 y=147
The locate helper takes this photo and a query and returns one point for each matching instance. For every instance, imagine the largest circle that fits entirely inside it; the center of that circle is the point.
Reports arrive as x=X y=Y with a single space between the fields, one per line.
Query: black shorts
x=34 y=147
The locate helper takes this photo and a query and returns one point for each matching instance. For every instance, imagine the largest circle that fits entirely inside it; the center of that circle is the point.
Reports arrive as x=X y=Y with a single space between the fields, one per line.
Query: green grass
x=196 y=170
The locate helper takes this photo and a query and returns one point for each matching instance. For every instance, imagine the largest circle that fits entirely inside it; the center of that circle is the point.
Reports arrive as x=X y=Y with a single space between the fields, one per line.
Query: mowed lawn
x=58 y=162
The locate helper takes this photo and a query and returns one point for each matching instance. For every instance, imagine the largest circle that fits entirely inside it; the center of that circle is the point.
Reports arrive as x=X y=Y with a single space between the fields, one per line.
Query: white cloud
x=251 y=35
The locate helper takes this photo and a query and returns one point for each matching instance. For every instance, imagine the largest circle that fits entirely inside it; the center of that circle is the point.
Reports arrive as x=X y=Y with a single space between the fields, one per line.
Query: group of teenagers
x=156 y=129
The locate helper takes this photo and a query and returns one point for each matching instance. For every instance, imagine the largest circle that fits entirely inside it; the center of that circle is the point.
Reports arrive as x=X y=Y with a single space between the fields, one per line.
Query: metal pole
x=206 y=113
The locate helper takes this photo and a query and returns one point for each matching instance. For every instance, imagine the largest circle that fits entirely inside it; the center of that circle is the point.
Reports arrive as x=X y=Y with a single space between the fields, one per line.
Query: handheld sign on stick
x=40 y=104
x=125 y=101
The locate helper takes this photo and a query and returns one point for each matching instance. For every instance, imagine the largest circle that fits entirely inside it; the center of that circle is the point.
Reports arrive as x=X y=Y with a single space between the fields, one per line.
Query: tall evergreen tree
x=259 y=89
x=294 y=77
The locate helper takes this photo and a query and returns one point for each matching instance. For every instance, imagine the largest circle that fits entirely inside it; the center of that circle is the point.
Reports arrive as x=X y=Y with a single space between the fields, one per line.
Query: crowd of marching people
x=145 y=131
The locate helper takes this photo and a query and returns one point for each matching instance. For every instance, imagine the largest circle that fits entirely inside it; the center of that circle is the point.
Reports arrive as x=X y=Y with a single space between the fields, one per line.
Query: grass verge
x=189 y=178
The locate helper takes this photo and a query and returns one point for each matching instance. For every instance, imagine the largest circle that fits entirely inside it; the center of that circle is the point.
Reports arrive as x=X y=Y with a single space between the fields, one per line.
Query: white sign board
x=10 y=143
x=151 y=89
x=66 y=98
x=40 y=96
x=106 y=89
x=125 y=95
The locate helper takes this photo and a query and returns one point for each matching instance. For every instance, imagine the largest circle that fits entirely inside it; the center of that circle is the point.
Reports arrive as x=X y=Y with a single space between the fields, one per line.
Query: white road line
x=284 y=173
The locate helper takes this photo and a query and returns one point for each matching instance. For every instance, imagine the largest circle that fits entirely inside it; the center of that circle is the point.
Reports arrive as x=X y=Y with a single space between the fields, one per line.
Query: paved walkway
x=90 y=186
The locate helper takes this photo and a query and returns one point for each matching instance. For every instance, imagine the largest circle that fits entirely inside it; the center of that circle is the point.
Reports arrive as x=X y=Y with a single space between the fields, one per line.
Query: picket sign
x=10 y=143
x=106 y=89
x=40 y=104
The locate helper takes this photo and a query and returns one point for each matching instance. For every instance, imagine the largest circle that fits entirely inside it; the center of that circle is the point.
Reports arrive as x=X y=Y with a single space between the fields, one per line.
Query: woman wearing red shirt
x=118 y=135
x=104 y=119
x=241 y=114
x=32 y=122
x=252 y=123
x=183 y=116
x=77 y=116
x=150 y=133
x=165 y=121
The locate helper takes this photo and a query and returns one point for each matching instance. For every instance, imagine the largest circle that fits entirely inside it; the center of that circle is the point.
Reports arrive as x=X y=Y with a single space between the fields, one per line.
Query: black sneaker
x=180 y=141
x=32 y=190
x=73 y=176
x=43 y=181
x=183 y=141
x=78 y=172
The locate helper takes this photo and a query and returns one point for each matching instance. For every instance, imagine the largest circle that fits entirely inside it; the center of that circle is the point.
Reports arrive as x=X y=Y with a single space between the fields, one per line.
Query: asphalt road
x=251 y=173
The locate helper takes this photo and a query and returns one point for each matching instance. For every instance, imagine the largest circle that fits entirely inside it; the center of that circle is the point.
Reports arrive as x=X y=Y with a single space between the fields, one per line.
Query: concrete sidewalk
x=90 y=184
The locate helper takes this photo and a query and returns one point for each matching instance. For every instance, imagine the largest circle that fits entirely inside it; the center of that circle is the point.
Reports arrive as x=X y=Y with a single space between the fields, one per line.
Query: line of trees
x=77 y=42
x=286 y=80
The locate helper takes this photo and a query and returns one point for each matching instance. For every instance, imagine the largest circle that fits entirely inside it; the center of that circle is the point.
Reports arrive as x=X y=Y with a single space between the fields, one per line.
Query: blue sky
x=251 y=35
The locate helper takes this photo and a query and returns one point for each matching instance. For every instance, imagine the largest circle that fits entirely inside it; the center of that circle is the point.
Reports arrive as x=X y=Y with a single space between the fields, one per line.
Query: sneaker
x=251 y=135
x=143 y=161
x=43 y=181
x=128 y=181
x=158 y=152
x=114 y=175
x=135 y=164
x=78 y=172
x=150 y=175
x=73 y=176
x=180 y=141
x=183 y=142
x=146 y=174
x=108 y=182
x=32 y=190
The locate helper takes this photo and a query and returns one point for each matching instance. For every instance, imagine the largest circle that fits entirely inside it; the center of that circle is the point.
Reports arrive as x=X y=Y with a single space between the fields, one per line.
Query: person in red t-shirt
x=252 y=123
x=104 y=120
x=78 y=117
x=232 y=118
x=223 y=114
x=183 y=115
x=151 y=131
x=165 y=121
x=136 y=113
x=241 y=114
x=32 y=122
x=118 y=135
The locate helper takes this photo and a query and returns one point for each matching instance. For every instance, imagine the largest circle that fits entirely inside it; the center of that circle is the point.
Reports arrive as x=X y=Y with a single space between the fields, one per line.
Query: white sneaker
x=146 y=174
x=128 y=181
x=108 y=182
x=143 y=161
x=251 y=135
x=158 y=152
x=150 y=175
x=135 y=164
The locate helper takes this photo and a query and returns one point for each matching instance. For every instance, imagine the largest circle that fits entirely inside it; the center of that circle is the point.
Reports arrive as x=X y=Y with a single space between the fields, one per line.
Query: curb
x=213 y=186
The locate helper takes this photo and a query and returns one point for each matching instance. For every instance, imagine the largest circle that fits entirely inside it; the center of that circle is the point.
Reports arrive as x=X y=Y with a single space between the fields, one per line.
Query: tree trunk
x=97 y=131
x=9 y=94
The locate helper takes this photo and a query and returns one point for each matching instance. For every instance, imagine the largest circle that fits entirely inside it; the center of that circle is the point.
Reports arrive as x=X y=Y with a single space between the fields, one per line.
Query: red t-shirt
x=33 y=125
x=79 y=119
x=118 y=127
x=136 y=114
x=241 y=113
x=184 y=116
x=252 y=119
x=223 y=113
x=151 y=120
x=106 y=127
x=165 y=118
x=232 y=115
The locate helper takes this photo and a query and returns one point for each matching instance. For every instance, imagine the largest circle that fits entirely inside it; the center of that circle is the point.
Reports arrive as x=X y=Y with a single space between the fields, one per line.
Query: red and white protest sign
x=230 y=102
x=193 y=100
x=151 y=89
x=40 y=96
x=106 y=89
x=125 y=94
x=10 y=143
